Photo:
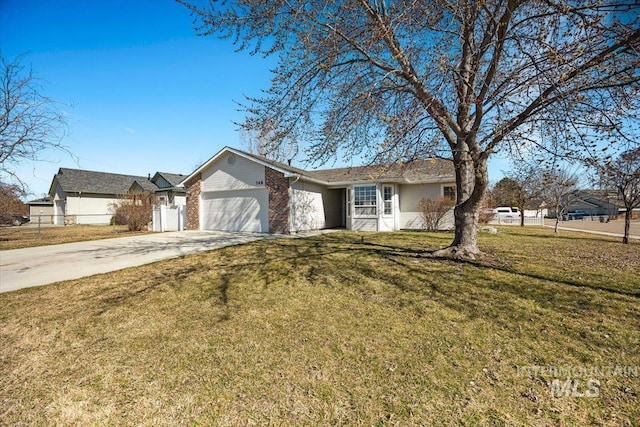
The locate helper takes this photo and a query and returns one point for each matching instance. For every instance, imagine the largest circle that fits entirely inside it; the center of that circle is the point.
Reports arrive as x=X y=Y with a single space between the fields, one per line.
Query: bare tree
x=10 y=204
x=522 y=184
x=30 y=122
x=457 y=78
x=267 y=144
x=623 y=174
x=559 y=187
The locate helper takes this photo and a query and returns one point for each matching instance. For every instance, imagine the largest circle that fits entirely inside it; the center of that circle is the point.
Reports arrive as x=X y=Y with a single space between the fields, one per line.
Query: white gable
x=232 y=172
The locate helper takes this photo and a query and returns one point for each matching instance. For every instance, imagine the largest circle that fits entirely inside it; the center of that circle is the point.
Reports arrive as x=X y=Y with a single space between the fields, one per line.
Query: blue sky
x=142 y=92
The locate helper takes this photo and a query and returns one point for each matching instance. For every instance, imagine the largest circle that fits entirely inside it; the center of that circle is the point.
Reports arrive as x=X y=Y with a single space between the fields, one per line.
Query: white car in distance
x=507 y=212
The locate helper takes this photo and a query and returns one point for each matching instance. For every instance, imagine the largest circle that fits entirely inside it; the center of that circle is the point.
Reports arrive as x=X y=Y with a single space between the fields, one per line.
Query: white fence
x=528 y=220
x=169 y=218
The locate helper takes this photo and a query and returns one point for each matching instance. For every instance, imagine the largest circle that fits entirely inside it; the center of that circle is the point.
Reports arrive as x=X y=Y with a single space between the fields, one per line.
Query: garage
x=239 y=210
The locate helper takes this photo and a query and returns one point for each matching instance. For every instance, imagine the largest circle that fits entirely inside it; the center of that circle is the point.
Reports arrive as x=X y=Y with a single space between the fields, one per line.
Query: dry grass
x=332 y=330
x=27 y=237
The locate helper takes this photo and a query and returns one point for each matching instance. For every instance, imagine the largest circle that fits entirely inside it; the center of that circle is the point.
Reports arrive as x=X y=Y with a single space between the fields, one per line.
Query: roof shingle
x=420 y=170
x=77 y=181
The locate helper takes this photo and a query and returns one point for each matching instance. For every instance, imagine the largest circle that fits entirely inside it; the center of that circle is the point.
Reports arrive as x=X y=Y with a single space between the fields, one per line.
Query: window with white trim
x=387 y=200
x=364 y=200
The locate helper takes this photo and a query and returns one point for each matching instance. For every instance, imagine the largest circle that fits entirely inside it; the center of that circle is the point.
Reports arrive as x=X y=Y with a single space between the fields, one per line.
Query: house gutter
x=298 y=176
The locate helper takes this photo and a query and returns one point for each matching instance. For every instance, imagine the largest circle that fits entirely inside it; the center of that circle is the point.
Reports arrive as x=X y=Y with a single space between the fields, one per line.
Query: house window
x=387 y=199
x=449 y=192
x=364 y=199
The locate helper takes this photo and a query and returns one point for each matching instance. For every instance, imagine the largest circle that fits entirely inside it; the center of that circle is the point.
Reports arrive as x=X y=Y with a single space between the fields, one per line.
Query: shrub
x=11 y=207
x=133 y=210
x=433 y=210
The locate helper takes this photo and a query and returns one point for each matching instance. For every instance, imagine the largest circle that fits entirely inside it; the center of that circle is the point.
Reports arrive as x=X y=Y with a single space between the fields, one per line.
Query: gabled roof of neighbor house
x=172 y=178
x=92 y=182
x=599 y=198
x=83 y=181
x=145 y=185
x=417 y=171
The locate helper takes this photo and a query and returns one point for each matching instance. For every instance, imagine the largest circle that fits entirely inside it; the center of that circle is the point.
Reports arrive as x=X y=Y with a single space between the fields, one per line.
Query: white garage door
x=242 y=210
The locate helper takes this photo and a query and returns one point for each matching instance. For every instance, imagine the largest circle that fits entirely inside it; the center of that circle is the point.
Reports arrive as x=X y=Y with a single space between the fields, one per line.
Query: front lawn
x=340 y=329
x=30 y=236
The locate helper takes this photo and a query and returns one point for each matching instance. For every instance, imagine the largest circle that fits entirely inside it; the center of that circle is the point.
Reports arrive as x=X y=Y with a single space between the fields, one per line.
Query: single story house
x=598 y=202
x=595 y=202
x=41 y=210
x=239 y=191
x=87 y=197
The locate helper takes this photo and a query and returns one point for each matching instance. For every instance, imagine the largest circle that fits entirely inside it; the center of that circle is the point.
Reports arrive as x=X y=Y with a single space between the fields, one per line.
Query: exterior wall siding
x=409 y=195
x=89 y=209
x=364 y=224
x=233 y=172
x=307 y=207
x=162 y=183
x=279 y=207
x=59 y=205
x=194 y=188
x=45 y=212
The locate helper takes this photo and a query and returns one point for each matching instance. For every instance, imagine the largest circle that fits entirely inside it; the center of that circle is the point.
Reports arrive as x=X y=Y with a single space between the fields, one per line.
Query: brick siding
x=278 y=187
x=194 y=187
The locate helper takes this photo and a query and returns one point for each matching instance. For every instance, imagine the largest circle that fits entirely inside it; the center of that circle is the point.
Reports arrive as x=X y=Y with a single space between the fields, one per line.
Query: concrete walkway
x=23 y=268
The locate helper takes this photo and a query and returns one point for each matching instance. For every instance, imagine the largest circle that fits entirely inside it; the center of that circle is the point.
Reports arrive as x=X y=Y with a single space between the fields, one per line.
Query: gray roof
x=415 y=171
x=77 y=180
x=172 y=178
x=45 y=201
x=146 y=185
x=600 y=198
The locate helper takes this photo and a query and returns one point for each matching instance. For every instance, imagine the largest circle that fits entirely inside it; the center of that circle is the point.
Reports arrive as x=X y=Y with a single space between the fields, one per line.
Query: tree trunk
x=558 y=213
x=472 y=180
x=465 y=242
x=627 y=225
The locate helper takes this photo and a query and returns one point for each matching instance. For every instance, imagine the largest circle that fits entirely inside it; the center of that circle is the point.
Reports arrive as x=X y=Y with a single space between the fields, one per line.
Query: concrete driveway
x=23 y=268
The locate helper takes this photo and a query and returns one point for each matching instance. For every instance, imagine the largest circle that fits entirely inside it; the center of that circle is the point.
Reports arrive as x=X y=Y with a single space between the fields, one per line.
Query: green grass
x=28 y=237
x=340 y=329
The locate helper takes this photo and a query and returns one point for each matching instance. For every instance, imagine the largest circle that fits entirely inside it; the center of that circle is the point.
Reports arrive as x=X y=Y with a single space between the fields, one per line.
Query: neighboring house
x=238 y=191
x=169 y=192
x=169 y=210
x=87 y=197
x=165 y=187
x=41 y=210
x=595 y=202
